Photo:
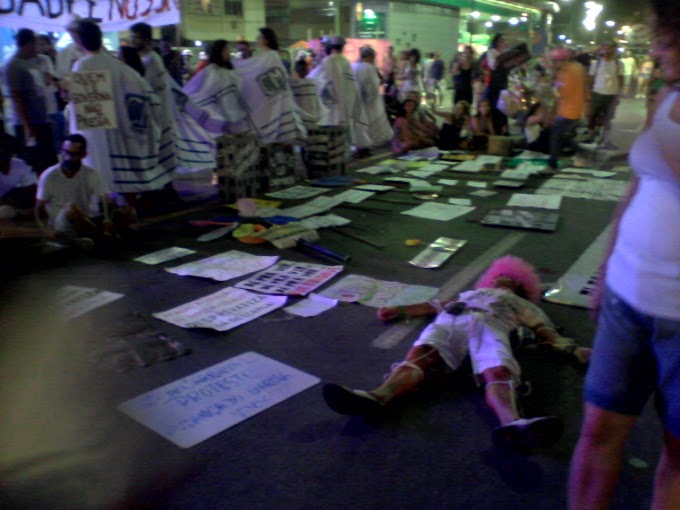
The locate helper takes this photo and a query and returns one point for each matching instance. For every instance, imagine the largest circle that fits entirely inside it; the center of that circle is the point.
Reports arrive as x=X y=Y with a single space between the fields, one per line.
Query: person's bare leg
x=406 y=377
x=667 y=480
x=500 y=394
x=597 y=459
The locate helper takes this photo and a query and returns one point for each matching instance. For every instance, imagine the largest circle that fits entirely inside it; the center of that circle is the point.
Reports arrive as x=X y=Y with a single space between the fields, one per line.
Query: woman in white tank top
x=637 y=346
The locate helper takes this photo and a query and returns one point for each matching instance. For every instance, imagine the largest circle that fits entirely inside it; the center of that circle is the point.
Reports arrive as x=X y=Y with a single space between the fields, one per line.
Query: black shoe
x=529 y=433
x=352 y=402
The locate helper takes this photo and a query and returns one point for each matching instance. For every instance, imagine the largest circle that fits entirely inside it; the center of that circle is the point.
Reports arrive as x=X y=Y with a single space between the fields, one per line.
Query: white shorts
x=457 y=336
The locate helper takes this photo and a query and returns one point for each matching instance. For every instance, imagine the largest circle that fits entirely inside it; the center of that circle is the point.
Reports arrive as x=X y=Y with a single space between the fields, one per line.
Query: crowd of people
x=177 y=110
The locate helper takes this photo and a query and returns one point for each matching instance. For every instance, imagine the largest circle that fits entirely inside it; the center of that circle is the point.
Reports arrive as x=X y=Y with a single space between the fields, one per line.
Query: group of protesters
x=163 y=127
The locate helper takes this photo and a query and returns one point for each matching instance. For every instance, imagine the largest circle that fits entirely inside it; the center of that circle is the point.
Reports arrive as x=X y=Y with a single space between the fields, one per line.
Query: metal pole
x=336 y=26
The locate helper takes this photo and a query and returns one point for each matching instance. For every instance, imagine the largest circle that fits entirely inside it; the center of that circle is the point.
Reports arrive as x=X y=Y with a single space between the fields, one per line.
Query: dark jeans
x=562 y=133
x=603 y=109
x=41 y=155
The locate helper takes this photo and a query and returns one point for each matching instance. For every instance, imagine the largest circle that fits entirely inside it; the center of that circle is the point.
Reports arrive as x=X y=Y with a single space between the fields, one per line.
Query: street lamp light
x=561 y=37
x=610 y=23
x=593 y=10
x=495 y=17
x=475 y=14
x=513 y=21
x=488 y=24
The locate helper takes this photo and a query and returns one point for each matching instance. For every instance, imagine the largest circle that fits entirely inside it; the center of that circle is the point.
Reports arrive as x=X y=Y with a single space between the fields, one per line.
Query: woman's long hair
x=215 y=55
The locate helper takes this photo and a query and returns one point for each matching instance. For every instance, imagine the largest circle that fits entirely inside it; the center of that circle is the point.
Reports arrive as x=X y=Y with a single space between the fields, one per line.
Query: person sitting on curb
x=69 y=196
x=478 y=324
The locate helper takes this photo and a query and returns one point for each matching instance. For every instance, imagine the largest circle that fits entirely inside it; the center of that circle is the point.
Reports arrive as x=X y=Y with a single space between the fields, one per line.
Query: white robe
x=158 y=77
x=195 y=132
x=304 y=92
x=126 y=157
x=340 y=95
x=271 y=110
x=366 y=76
x=218 y=90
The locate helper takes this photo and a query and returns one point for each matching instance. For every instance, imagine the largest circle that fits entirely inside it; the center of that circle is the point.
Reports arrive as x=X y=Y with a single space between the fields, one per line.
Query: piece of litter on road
x=476 y=184
x=312 y=306
x=539 y=201
x=76 y=301
x=437 y=211
x=164 y=255
x=448 y=182
x=460 y=201
x=374 y=187
x=483 y=193
x=224 y=266
x=297 y=193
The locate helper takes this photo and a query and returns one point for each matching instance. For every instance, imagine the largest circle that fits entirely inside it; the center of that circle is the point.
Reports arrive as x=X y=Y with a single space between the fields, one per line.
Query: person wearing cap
x=571 y=86
x=339 y=93
x=607 y=81
x=477 y=324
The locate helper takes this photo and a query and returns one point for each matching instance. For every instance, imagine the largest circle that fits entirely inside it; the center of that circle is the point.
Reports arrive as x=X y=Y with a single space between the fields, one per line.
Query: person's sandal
x=351 y=402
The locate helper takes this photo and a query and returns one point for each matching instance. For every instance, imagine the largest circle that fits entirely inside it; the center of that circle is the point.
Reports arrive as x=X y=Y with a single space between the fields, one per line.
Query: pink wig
x=517 y=269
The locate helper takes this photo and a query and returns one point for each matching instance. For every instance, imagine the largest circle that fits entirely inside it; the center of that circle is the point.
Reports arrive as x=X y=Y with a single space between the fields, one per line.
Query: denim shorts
x=635 y=356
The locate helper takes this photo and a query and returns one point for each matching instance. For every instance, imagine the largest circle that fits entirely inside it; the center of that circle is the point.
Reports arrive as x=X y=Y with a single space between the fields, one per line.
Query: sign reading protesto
x=92 y=95
x=112 y=15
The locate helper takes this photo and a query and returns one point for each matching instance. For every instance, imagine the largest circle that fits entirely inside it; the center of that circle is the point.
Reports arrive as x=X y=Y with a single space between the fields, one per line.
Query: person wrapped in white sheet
x=125 y=156
x=339 y=93
x=368 y=80
x=271 y=110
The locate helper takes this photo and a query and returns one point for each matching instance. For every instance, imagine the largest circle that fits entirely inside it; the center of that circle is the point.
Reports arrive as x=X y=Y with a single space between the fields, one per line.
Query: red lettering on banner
x=147 y=11
x=165 y=6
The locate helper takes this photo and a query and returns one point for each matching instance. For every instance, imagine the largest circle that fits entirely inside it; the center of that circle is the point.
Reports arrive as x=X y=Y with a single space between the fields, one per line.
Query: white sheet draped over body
x=157 y=77
x=307 y=100
x=271 y=112
x=340 y=95
x=127 y=156
x=196 y=129
x=368 y=81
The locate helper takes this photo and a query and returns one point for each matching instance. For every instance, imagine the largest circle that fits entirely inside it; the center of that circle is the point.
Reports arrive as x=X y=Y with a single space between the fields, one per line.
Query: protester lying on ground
x=478 y=324
x=455 y=132
x=17 y=181
x=70 y=195
x=413 y=131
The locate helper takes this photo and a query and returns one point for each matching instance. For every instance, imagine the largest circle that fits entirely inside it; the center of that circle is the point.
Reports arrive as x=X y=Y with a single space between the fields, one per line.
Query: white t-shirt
x=82 y=190
x=19 y=176
x=606 y=74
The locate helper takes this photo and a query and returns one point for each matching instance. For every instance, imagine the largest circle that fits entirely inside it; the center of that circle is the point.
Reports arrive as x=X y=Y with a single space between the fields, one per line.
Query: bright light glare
x=593 y=10
x=475 y=14
x=524 y=19
x=495 y=18
x=568 y=41
x=610 y=23
x=488 y=24
x=561 y=37
x=621 y=50
x=513 y=21
x=198 y=43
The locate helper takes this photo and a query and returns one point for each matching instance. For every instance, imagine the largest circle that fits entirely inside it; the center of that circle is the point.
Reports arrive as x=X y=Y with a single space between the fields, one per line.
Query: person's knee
x=602 y=427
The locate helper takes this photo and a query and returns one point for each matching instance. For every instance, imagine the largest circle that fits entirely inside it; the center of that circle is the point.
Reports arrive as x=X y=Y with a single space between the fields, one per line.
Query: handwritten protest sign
x=92 y=95
x=222 y=310
x=196 y=407
x=112 y=15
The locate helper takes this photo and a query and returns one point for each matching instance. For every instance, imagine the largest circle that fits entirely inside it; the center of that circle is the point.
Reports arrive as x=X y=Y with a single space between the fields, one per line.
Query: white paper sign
x=223 y=310
x=448 y=182
x=76 y=301
x=460 y=201
x=437 y=211
x=353 y=196
x=312 y=306
x=196 y=407
x=476 y=184
x=593 y=189
x=91 y=94
x=329 y=220
x=224 y=266
x=377 y=293
x=292 y=278
x=160 y=256
x=374 y=187
x=298 y=193
x=539 y=201
x=483 y=193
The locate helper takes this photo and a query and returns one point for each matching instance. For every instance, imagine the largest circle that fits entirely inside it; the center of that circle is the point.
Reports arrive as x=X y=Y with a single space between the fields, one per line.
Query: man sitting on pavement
x=477 y=324
x=70 y=195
